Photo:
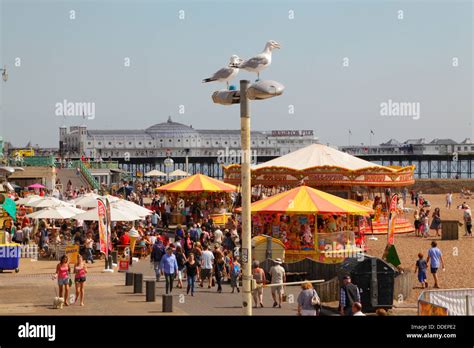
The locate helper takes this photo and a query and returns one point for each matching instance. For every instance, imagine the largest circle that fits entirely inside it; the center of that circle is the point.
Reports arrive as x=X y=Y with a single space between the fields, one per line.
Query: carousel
x=336 y=172
x=212 y=196
x=311 y=223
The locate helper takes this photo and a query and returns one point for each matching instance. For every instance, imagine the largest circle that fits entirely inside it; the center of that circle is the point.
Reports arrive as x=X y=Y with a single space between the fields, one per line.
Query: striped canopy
x=307 y=200
x=197 y=183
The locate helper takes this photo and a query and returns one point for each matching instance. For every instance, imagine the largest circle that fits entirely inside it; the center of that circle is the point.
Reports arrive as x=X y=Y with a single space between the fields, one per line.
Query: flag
x=372 y=132
x=391 y=219
x=10 y=207
x=350 y=132
x=104 y=235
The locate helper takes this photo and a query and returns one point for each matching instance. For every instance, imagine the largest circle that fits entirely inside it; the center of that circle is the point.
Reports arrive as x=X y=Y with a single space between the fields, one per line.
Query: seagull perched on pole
x=262 y=60
x=227 y=73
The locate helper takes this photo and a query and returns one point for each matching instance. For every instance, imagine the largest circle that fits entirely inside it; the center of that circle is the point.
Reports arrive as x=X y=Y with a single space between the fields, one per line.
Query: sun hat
x=278 y=261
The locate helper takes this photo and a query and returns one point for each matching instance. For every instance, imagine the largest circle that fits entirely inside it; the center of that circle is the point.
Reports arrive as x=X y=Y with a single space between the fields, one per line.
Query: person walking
x=181 y=260
x=308 y=300
x=435 y=259
x=349 y=294
x=80 y=271
x=219 y=270
x=278 y=276
x=467 y=217
x=421 y=267
x=169 y=268
x=449 y=200
x=62 y=274
x=436 y=221
x=207 y=262
x=259 y=275
x=235 y=274
x=191 y=268
x=89 y=244
x=156 y=255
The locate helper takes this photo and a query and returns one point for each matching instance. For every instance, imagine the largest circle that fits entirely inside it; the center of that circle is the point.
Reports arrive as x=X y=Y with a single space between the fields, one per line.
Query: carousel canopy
x=307 y=200
x=318 y=155
x=197 y=183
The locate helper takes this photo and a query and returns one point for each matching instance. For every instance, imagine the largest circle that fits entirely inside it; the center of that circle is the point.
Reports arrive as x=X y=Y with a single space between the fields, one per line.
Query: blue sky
x=407 y=60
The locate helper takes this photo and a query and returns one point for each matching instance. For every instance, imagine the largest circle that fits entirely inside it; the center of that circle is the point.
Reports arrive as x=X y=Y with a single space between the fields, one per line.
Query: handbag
x=315 y=300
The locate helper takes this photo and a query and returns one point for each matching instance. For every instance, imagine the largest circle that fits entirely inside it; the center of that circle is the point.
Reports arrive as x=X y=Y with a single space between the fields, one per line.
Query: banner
x=391 y=219
x=104 y=235
x=71 y=251
x=430 y=309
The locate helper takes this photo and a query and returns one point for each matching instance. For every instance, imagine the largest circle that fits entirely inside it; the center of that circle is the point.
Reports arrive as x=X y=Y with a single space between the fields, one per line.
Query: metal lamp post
x=257 y=91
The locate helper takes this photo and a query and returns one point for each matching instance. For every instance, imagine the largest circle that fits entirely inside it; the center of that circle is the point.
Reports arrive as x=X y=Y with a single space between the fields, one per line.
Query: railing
x=36 y=161
x=90 y=179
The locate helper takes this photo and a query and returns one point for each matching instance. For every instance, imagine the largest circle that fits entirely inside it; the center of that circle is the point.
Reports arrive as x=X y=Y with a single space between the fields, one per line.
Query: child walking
x=234 y=275
x=421 y=266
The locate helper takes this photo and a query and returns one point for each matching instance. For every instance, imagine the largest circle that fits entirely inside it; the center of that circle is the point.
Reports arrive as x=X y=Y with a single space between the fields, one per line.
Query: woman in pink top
x=80 y=271
x=62 y=273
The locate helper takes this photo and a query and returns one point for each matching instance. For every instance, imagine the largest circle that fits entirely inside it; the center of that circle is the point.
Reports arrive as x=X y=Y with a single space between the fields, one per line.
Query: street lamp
x=258 y=91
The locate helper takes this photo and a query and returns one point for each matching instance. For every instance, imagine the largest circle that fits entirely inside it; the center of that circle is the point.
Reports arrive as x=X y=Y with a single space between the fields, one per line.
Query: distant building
x=177 y=141
x=413 y=147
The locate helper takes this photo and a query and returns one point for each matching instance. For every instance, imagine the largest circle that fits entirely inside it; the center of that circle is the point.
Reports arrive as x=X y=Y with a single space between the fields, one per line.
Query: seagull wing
x=221 y=74
x=254 y=63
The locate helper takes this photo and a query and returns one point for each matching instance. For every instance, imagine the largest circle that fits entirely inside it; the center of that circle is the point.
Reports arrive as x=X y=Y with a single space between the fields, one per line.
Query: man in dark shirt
x=348 y=295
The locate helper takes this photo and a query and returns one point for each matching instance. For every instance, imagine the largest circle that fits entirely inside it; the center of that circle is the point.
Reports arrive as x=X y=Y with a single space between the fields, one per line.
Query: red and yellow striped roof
x=197 y=183
x=307 y=200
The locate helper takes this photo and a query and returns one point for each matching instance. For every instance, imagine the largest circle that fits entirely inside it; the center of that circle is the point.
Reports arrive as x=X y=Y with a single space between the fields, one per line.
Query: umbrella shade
x=56 y=213
x=36 y=186
x=197 y=183
x=178 y=172
x=307 y=200
x=116 y=214
x=135 y=208
x=86 y=201
x=46 y=202
x=28 y=199
x=155 y=172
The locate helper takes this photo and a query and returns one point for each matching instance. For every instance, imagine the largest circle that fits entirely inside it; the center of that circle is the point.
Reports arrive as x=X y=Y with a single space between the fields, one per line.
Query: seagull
x=227 y=73
x=262 y=60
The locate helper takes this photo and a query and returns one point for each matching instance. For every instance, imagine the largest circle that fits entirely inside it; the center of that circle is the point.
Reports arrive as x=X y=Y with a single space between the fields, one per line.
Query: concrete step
x=66 y=174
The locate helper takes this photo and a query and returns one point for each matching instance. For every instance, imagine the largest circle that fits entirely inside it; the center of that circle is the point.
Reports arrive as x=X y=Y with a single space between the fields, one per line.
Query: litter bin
x=375 y=279
x=450 y=230
x=10 y=257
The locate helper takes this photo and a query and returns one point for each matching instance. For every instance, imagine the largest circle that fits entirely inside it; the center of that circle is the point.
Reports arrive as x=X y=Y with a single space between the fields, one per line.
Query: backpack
x=235 y=270
x=157 y=253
